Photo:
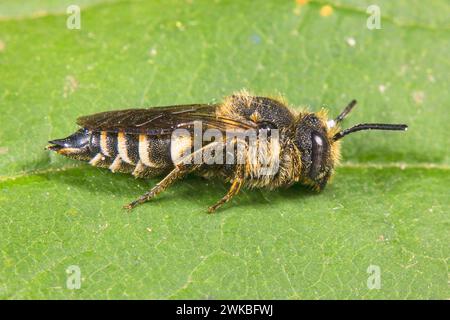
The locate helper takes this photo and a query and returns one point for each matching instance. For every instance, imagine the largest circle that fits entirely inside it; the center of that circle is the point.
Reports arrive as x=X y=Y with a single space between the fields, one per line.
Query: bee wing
x=161 y=120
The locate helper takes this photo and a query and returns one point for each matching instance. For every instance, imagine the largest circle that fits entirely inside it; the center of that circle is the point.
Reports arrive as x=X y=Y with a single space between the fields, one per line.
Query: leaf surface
x=387 y=205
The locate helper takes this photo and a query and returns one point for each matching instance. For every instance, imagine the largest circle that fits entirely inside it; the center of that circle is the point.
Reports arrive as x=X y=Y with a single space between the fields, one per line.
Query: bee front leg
x=234 y=190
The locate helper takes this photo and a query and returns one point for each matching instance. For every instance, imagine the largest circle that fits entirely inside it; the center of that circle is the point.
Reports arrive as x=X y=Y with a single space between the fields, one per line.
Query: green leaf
x=387 y=205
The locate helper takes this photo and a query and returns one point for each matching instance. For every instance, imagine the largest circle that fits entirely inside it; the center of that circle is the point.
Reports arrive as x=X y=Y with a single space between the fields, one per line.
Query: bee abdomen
x=142 y=155
x=154 y=156
x=154 y=151
x=102 y=149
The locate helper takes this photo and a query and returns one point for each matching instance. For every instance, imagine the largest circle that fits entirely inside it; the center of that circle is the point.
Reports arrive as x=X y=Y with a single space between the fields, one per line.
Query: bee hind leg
x=168 y=180
x=234 y=190
x=179 y=171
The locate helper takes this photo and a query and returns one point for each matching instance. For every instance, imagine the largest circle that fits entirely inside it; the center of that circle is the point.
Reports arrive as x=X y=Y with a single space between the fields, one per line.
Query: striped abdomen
x=139 y=154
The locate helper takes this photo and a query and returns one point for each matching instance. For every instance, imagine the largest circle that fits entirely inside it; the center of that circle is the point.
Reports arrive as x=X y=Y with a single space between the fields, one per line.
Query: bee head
x=318 y=142
x=312 y=140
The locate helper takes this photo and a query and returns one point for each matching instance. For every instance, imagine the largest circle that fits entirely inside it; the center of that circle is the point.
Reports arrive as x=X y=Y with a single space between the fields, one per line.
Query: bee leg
x=234 y=189
x=180 y=170
x=174 y=175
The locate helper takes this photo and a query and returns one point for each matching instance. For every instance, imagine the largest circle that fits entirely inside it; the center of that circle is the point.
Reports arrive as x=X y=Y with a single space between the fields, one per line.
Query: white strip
x=139 y=169
x=123 y=148
x=116 y=164
x=144 y=152
x=104 y=143
x=95 y=160
x=180 y=148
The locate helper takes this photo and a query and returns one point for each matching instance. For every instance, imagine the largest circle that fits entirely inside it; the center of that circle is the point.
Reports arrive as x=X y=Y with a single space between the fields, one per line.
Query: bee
x=302 y=147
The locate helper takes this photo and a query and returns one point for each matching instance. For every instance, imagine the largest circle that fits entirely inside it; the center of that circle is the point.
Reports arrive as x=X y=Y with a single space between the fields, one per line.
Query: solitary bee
x=304 y=147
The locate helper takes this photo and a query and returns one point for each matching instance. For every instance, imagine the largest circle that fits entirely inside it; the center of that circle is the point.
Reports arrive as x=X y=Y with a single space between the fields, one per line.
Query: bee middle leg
x=234 y=190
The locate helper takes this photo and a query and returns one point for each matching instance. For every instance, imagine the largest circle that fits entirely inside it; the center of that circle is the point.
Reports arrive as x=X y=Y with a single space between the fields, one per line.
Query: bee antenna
x=343 y=114
x=369 y=126
x=346 y=111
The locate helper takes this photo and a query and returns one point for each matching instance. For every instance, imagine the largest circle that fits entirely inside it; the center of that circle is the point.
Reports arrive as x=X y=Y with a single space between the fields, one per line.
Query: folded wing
x=161 y=120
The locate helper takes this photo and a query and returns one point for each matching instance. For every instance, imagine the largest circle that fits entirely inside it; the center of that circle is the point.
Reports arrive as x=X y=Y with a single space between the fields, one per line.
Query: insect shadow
x=248 y=198
x=95 y=180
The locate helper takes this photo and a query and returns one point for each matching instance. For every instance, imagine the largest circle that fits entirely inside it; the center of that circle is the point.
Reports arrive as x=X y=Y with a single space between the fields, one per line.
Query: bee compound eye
x=318 y=153
x=318 y=141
